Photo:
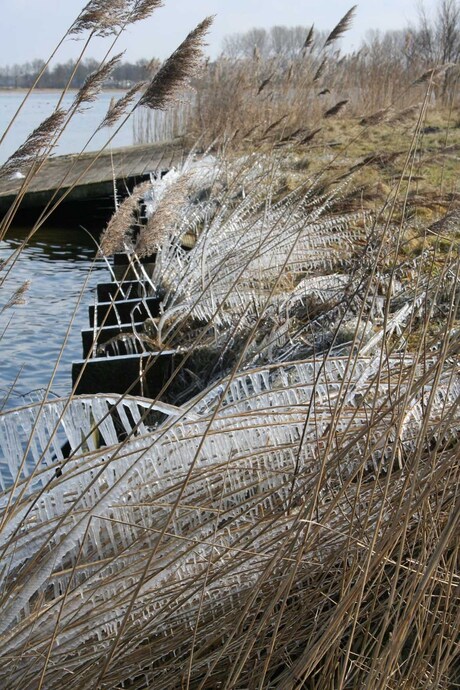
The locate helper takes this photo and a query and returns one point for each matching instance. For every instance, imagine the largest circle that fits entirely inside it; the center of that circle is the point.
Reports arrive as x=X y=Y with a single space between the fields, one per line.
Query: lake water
x=56 y=261
x=57 y=264
x=40 y=104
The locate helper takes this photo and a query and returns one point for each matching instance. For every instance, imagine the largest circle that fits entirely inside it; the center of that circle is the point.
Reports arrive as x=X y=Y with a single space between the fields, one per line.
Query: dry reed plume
x=18 y=297
x=163 y=220
x=36 y=144
x=342 y=27
x=336 y=108
x=309 y=39
x=178 y=69
x=116 y=236
x=95 y=81
x=101 y=17
x=142 y=9
x=120 y=107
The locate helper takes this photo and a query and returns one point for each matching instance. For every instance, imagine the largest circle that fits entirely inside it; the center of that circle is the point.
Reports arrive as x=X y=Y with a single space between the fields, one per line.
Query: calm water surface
x=40 y=104
x=57 y=262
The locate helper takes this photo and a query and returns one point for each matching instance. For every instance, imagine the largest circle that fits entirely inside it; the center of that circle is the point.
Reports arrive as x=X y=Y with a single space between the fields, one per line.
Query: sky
x=32 y=28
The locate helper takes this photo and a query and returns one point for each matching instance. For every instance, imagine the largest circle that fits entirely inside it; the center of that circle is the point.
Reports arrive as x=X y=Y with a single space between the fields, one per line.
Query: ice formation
x=161 y=520
x=213 y=489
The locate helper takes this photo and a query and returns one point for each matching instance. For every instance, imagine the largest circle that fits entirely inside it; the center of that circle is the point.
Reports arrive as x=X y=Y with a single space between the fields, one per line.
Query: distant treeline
x=23 y=76
x=433 y=40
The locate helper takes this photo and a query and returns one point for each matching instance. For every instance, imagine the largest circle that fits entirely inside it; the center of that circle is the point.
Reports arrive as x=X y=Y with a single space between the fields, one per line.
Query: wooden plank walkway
x=91 y=174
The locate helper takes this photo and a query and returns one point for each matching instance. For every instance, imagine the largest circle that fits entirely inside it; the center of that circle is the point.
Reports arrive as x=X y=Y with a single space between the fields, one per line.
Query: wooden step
x=117 y=374
x=123 y=311
x=102 y=335
x=123 y=259
x=124 y=268
x=129 y=289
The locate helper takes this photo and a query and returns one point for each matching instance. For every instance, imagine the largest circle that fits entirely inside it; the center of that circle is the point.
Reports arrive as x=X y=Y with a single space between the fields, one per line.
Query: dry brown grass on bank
x=372 y=157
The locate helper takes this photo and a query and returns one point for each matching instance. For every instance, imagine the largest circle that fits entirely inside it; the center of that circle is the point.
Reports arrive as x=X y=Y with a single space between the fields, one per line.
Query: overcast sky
x=31 y=28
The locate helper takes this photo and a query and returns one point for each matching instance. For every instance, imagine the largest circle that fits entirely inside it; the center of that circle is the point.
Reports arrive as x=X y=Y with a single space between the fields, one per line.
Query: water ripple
x=32 y=333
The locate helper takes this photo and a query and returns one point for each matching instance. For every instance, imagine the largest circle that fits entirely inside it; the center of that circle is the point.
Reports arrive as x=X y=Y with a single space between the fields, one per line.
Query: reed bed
x=285 y=514
x=255 y=100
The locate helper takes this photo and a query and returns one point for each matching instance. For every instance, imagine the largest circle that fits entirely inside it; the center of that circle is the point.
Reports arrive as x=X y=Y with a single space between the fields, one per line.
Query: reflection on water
x=57 y=263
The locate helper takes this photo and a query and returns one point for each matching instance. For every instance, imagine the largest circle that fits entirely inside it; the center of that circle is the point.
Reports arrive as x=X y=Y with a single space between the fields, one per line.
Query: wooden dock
x=85 y=182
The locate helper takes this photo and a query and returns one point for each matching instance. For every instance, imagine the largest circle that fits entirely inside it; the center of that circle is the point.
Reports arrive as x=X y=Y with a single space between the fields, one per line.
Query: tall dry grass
x=252 y=100
x=285 y=513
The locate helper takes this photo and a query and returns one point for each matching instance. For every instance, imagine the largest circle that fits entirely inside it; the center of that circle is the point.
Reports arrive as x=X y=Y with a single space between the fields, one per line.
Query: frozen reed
x=285 y=513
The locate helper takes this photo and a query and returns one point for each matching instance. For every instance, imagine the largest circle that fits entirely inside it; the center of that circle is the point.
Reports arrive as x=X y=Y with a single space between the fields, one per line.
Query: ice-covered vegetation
x=172 y=541
x=286 y=513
